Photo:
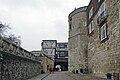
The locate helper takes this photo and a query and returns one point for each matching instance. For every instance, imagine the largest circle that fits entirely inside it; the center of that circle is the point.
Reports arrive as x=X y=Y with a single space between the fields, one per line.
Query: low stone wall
x=14 y=67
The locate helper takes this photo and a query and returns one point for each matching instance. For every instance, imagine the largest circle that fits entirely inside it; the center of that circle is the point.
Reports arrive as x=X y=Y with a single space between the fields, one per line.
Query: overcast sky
x=37 y=20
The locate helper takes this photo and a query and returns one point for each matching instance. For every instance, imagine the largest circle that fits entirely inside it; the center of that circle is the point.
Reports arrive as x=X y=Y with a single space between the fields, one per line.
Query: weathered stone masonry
x=77 y=43
x=103 y=54
x=17 y=63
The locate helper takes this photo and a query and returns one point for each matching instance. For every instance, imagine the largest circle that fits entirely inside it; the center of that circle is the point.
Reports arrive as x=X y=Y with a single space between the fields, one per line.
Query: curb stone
x=45 y=76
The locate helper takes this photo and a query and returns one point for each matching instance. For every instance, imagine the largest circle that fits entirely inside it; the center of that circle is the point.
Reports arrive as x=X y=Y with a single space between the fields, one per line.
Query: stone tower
x=94 y=37
x=77 y=44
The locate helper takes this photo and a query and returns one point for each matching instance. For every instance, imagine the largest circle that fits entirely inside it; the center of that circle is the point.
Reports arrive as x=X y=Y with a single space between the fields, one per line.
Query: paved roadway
x=59 y=76
x=66 y=76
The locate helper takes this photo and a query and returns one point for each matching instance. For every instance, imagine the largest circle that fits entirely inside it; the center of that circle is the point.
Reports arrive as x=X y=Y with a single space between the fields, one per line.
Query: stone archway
x=58 y=67
x=63 y=65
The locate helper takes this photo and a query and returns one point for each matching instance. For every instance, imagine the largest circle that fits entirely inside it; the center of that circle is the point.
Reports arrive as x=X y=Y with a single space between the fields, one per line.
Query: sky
x=37 y=20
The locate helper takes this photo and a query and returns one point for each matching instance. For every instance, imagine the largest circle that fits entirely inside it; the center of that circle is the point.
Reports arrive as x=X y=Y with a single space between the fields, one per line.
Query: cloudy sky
x=37 y=20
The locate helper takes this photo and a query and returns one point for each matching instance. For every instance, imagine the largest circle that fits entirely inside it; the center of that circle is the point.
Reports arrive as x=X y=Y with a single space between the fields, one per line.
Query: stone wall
x=18 y=68
x=104 y=56
x=77 y=43
x=114 y=35
x=47 y=63
x=17 y=63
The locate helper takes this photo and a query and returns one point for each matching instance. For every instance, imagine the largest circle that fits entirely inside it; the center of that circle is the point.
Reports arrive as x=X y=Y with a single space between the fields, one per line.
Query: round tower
x=77 y=42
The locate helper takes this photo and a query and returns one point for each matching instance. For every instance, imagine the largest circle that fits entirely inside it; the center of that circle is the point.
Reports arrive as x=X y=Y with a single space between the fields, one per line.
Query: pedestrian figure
x=53 y=69
x=73 y=71
x=77 y=71
x=50 y=69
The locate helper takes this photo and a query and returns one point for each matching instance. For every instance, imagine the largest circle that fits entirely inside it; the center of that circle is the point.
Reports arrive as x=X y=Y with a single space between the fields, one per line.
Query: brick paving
x=66 y=76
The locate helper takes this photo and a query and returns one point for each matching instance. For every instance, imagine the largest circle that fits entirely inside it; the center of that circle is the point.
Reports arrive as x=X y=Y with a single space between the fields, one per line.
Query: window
x=70 y=27
x=91 y=27
x=0 y=68
x=102 y=10
x=103 y=32
x=70 y=23
x=70 y=18
x=62 y=45
x=91 y=13
x=102 y=14
x=65 y=45
x=62 y=54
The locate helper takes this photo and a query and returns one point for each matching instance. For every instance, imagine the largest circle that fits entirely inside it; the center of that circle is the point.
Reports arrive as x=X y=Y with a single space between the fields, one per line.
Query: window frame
x=103 y=32
x=102 y=9
x=91 y=27
x=91 y=12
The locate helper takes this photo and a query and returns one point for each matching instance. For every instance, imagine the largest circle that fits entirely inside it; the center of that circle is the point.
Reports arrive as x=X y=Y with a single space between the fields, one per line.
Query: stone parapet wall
x=8 y=47
x=17 y=68
x=17 y=63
